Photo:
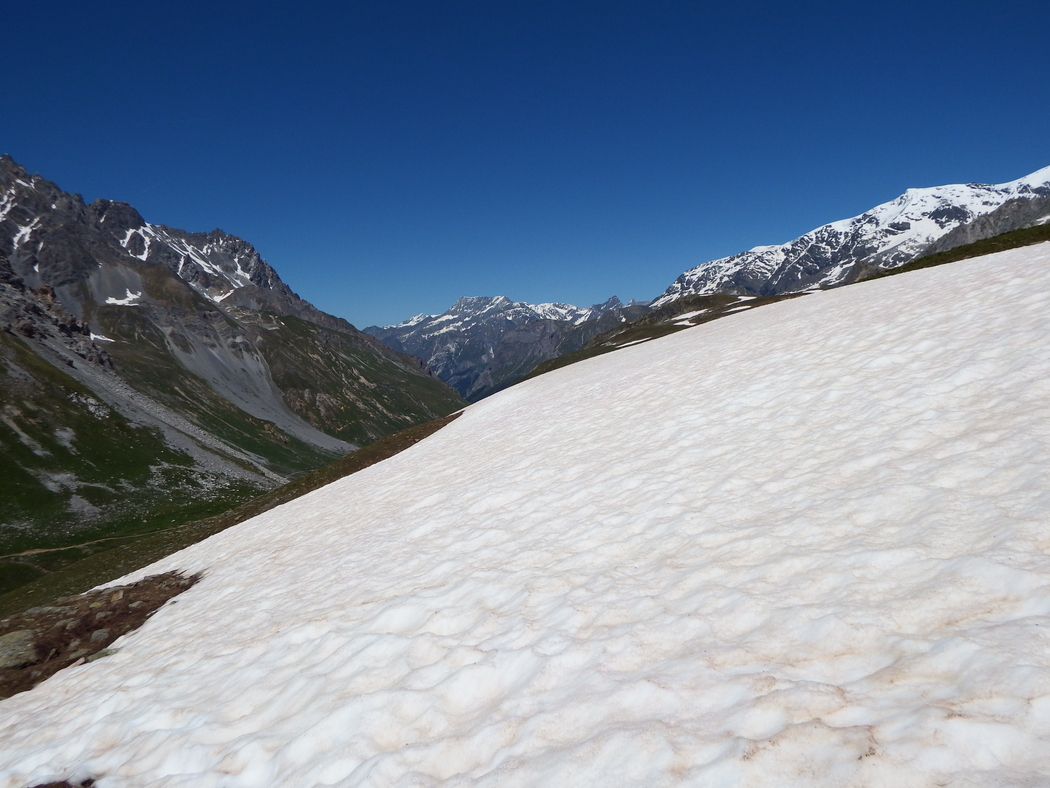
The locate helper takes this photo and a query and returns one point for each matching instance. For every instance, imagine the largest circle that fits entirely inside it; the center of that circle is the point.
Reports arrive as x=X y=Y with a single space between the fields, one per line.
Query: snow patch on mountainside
x=130 y=299
x=804 y=545
x=217 y=265
x=469 y=310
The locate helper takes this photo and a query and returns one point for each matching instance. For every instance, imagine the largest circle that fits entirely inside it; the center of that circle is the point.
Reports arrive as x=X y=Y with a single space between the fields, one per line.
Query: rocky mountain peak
x=115 y=217
x=182 y=354
x=472 y=305
x=611 y=303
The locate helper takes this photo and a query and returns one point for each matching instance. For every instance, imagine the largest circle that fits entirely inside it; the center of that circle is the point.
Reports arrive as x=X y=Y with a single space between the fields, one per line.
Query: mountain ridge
x=920 y=221
x=119 y=333
x=484 y=343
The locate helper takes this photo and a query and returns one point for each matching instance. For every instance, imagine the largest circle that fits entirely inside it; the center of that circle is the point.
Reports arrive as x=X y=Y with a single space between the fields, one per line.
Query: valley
x=150 y=377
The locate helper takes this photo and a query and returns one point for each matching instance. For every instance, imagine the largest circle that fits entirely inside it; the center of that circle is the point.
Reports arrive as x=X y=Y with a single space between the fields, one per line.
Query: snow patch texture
x=804 y=545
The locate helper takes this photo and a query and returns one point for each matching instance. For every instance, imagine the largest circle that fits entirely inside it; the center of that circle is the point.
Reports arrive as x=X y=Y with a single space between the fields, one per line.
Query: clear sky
x=387 y=157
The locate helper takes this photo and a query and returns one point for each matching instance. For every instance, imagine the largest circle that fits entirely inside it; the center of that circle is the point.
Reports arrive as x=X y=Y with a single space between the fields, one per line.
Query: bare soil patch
x=38 y=643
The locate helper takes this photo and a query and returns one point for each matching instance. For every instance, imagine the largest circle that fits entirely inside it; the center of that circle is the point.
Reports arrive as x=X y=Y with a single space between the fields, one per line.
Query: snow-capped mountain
x=214 y=264
x=223 y=268
x=918 y=222
x=483 y=343
x=685 y=563
x=184 y=354
x=470 y=311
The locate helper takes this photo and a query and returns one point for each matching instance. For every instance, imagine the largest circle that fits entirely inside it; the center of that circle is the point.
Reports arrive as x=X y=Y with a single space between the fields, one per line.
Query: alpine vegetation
x=800 y=545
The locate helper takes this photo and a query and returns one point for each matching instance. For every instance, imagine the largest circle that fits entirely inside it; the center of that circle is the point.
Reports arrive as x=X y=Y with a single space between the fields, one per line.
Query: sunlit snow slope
x=804 y=545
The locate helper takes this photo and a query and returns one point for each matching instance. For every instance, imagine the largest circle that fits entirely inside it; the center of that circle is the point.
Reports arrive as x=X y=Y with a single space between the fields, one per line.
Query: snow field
x=805 y=545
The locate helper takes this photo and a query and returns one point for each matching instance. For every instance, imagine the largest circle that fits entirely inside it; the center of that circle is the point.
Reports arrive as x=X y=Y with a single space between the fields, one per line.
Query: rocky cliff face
x=485 y=343
x=920 y=221
x=144 y=369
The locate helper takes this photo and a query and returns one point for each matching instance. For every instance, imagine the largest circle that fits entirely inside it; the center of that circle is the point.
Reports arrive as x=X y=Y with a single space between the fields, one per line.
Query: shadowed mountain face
x=147 y=373
x=919 y=222
x=484 y=343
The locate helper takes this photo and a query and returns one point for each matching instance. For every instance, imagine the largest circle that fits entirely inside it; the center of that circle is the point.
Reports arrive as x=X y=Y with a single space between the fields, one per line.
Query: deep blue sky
x=387 y=157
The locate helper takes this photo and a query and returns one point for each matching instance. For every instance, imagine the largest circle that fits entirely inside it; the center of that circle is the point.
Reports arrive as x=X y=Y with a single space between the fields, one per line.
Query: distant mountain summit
x=484 y=343
x=920 y=221
x=145 y=368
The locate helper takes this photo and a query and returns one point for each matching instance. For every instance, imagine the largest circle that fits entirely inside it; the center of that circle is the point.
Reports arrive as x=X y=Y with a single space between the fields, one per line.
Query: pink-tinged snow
x=805 y=545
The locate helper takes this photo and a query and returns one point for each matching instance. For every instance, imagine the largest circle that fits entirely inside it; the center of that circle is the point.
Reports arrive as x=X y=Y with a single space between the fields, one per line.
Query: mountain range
x=148 y=374
x=483 y=344
x=919 y=222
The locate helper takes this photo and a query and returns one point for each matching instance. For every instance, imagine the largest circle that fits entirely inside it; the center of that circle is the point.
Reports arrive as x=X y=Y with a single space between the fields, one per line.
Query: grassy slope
x=333 y=380
x=123 y=477
x=343 y=387
x=142 y=551
x=61 y=446
x=141 y=356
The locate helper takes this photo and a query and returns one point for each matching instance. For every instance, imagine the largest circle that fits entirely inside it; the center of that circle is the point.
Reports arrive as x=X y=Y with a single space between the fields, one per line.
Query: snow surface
x=804 y=545
x=689 y=315
x=128 y=300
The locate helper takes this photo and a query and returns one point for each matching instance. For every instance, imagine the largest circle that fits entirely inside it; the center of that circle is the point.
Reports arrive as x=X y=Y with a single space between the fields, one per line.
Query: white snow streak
x=147 y=234
x=128 y=300
x=805 y=546
x=8 y=202
x=24 y=232
x=690 y=315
